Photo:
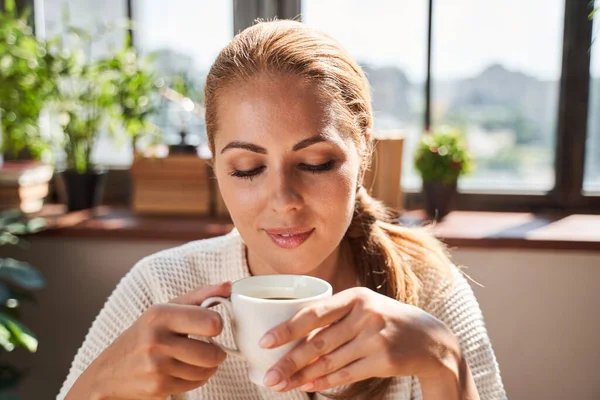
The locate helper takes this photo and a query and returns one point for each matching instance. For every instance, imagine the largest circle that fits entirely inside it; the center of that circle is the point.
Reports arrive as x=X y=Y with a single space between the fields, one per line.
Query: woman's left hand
x=359 y=334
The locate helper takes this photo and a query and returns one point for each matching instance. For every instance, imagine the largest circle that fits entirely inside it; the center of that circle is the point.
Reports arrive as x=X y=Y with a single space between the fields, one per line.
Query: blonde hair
x=386 y=255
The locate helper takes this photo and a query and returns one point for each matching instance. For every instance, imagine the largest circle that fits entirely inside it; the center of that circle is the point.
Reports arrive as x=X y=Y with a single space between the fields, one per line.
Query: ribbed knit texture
x=174 y=272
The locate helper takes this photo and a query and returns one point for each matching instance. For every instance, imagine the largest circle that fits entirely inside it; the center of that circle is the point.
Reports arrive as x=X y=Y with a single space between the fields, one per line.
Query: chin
x=295 y=264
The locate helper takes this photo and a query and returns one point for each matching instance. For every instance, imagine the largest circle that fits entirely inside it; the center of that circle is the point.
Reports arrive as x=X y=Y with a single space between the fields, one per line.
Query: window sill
x=462 y=229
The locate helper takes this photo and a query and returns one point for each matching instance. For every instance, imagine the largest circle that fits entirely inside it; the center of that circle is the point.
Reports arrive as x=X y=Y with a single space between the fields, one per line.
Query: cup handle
x=227 y=303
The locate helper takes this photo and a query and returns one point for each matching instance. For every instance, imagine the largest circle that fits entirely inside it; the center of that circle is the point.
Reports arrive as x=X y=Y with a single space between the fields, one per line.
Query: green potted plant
x=136 y=95
x=26 y=84
x=441 y=158
x=18 y=280
x=112 y=94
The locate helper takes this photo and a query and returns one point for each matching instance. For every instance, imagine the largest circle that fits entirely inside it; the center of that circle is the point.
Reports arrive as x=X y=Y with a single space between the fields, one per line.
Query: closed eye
x=328 y=166
x=315 y=169
x=250 y=174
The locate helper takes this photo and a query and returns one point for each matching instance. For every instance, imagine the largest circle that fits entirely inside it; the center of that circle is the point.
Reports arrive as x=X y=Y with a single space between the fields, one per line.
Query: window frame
x=567 y=193
x=571 y=132
x=574 y=86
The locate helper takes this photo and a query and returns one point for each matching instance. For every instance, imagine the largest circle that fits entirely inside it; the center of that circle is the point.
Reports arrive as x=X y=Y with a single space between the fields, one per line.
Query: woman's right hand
x=154 y=358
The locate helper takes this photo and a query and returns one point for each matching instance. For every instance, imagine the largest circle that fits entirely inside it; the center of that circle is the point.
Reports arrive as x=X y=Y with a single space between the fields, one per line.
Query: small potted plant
x=441 y=158
x=110 y=95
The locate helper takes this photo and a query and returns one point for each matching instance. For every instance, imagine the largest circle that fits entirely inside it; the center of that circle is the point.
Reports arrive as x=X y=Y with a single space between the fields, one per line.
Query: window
x=388 y=38
x=498 y=70
x=591 y=182
x=496 y=75
x=50 y=19
x=185 y=37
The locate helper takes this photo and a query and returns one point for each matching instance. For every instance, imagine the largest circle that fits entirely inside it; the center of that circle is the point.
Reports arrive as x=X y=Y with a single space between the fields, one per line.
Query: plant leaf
x=10 y=216
x=36 y=225
x=21 y=273
x=4 y=293
x=22 y=335
x=5 y=339
x=9 y=6
x=8 y=238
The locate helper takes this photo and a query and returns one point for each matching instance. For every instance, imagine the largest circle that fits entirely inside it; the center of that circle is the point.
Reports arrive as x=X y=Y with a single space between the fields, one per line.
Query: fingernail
x=307 y=387
x=272 y=378
x=267 y=341
x=280 y=386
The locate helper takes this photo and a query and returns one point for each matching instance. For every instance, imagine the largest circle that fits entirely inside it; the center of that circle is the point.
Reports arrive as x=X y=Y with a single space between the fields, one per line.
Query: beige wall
x=540 y=309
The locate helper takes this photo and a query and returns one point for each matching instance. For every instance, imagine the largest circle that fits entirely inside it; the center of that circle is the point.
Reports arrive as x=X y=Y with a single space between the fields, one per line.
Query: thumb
x=198 y=295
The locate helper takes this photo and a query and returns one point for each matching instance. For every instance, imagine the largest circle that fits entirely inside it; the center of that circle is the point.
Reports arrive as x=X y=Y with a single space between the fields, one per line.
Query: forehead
x=265 y=108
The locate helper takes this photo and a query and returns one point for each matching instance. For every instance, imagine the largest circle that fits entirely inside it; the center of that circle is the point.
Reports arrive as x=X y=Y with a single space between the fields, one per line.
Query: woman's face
x=286 y=174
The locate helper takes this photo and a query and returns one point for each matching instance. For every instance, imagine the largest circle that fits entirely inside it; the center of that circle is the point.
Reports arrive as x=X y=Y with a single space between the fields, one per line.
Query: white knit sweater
x=174 y=272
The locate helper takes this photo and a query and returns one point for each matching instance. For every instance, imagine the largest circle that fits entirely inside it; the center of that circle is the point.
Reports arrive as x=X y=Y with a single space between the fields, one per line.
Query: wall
x=540 y=308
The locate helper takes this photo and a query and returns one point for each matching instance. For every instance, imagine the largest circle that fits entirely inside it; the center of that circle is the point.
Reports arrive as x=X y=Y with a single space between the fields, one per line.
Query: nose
x=285 y=193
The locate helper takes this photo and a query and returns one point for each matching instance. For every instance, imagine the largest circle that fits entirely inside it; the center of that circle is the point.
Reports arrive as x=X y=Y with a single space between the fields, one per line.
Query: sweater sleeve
x=131 y=297
x=454 y=303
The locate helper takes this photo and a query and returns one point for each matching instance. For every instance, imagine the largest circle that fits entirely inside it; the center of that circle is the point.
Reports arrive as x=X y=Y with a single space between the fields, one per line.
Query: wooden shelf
x=462 y=229
x=108 y=222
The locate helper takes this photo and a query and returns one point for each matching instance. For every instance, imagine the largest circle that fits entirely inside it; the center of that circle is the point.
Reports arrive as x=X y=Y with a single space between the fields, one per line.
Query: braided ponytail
x=386 y=257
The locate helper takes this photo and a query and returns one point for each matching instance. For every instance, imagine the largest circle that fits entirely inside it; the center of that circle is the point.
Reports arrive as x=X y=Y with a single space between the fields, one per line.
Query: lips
x=289 y=238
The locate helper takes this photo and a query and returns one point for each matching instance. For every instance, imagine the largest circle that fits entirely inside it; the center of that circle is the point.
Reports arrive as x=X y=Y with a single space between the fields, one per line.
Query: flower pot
x=438 y=198
x=83 y=191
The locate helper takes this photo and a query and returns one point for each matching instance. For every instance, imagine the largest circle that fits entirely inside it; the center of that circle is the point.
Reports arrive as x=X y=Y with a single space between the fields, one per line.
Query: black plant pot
x=83 y=191
x=438 y=198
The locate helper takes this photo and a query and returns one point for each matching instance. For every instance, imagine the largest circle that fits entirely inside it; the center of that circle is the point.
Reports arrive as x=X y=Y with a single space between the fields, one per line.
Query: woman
x=289 y=121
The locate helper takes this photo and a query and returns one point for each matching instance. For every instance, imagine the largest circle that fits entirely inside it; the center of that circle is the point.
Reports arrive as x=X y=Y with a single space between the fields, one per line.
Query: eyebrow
x=261 y=150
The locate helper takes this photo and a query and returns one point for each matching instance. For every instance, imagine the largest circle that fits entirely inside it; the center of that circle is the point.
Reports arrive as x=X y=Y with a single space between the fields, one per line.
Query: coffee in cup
x=260 y=303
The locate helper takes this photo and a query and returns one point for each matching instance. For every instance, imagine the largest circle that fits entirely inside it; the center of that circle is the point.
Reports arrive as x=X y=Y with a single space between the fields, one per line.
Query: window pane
x=591 y=179
x=496 y=70
x=86 y=14
x=388 y=38
x=185 y=36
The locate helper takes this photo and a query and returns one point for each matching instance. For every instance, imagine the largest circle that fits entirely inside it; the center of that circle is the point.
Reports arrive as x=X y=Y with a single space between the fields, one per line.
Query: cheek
x=241 y=198
x=333 y=195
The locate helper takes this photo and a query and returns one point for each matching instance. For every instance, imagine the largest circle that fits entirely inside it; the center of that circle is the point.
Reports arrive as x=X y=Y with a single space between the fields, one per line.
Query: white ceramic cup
x=252 y=314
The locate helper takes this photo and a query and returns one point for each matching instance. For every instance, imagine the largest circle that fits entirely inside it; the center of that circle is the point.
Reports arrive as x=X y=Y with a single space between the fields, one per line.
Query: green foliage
x=17 y=281
x=135 y=87
x=187 y=86
x=113 y=92
x=442 y=155
x=88 y=95
x=26 y=83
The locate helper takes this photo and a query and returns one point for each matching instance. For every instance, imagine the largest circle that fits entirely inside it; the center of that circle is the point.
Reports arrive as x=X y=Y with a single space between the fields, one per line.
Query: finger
x=324 y=342
x=329 y=363
x=316 y=315
x=189 y=372
x=197 y=296
x=195 y=352
x=357 y=371
x=178 y=386
x=185 y=319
